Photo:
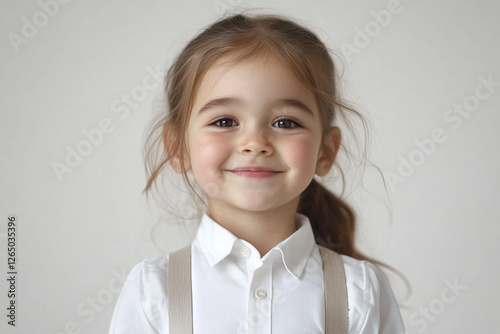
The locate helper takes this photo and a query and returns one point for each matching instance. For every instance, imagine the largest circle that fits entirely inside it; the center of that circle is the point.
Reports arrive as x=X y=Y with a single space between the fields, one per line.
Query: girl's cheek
x=302 y=153
x=209 y=151
x=208 y=158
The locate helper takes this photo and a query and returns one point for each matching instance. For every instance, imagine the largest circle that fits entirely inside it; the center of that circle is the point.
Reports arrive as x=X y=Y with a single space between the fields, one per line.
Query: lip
x=254 y=171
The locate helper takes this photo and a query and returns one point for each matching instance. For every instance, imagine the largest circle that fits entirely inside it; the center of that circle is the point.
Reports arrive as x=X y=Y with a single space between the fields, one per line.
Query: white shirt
x=236 y=291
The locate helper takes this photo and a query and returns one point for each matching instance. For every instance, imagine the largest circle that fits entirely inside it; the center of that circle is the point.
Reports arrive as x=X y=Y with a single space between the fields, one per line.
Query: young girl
x=252 y=103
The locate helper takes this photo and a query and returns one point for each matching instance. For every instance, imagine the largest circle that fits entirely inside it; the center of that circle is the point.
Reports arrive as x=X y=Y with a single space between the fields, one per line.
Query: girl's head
x=288 y=80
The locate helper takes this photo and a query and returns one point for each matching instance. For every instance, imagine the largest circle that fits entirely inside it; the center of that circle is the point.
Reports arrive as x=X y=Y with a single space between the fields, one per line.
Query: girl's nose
x=256 y=142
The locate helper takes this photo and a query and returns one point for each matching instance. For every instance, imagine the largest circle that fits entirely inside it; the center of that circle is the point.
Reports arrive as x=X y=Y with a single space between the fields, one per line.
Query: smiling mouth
x=254 y=172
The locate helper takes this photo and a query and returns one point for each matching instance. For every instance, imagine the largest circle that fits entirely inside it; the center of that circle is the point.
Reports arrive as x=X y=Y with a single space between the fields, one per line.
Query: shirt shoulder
x=372 y=305
x=142 y=306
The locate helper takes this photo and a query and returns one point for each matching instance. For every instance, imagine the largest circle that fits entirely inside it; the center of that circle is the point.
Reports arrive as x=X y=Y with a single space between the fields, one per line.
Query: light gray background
x=79 y=235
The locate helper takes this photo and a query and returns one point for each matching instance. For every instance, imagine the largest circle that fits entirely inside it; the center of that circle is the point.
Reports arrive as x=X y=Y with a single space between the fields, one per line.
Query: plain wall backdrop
x=81 y=80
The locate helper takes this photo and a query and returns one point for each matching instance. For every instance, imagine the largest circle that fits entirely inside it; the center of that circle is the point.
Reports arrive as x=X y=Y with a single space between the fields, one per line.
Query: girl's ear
x=174 y=152
x=328 y=152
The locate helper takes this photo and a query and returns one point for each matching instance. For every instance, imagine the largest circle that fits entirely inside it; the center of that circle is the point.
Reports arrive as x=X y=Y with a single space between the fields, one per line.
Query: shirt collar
x=296 y=249
x=216 y=242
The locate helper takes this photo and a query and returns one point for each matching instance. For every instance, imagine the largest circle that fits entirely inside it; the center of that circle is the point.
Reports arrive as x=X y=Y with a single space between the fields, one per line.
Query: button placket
x=259 y=302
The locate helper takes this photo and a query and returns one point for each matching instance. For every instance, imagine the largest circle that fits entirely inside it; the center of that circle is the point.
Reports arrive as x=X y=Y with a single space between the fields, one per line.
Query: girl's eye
x=285 y=123
x=224 y=123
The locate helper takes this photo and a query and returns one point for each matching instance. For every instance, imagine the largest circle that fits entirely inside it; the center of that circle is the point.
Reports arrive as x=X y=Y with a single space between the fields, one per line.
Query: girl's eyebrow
x=232 y=101
x=222 y=102
x=293 y=103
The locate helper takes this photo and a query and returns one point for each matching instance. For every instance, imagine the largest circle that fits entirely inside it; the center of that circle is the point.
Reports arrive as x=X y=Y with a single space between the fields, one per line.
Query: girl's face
x=254 y=137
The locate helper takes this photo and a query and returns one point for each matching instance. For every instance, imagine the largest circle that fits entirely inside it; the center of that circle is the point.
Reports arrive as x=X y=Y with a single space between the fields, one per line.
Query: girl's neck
x=263 y=230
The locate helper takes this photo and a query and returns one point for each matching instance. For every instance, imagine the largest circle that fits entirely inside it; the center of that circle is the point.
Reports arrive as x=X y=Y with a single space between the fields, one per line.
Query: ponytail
x=332 y=220
x=333 y=224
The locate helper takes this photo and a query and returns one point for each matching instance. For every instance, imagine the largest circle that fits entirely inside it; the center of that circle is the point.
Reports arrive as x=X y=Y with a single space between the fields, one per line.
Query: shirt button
x=245 y=252
x=260 y=293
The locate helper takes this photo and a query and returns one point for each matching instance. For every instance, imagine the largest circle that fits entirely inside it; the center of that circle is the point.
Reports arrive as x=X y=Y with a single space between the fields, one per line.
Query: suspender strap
x=180 y=310
x=336 y=303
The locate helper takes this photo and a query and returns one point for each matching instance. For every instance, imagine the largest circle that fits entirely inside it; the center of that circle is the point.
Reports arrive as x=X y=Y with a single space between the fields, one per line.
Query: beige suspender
x=180 y=310
x=180 y=299
x=336 y=305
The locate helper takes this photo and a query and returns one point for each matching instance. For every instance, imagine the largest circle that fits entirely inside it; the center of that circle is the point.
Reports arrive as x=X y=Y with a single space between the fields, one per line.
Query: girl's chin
x=256 y=203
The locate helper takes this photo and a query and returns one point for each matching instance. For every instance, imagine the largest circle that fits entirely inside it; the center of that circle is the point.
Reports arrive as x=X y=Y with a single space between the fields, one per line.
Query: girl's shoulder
x=150 y=273
x=143 y=299
x=361 y=270
x=364 y=278
x=370 y=296
x=149 y=276
x=150 y=268
x=361 y=273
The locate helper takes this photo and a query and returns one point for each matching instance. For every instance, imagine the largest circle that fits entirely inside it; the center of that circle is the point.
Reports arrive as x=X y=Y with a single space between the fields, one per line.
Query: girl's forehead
x=229 y=63
x=260 y=67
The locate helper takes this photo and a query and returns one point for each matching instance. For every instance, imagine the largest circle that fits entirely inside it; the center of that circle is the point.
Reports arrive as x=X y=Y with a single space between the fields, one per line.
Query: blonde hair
x=239 y=38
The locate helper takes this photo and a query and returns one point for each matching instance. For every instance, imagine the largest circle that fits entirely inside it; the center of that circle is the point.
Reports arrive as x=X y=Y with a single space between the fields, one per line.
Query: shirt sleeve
x=142 y=304
x=372 y=306
x=383 y=314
